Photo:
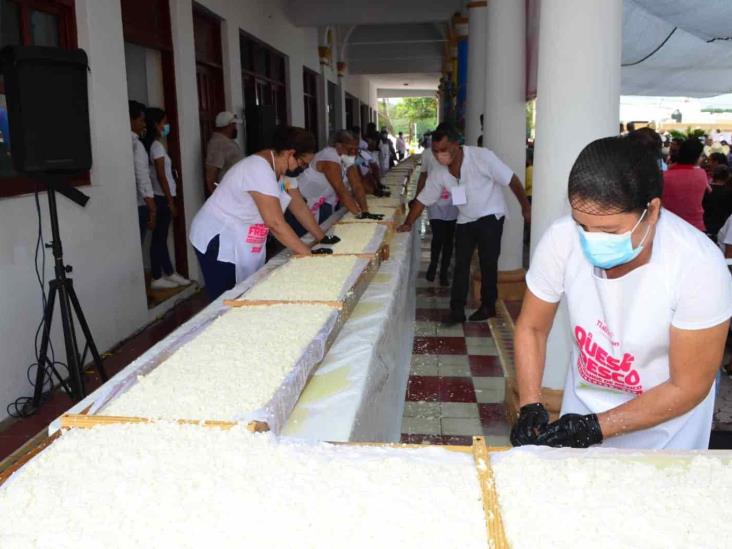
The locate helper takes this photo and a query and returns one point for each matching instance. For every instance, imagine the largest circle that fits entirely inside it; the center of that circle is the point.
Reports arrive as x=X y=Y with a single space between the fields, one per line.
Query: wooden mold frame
x=479 y=450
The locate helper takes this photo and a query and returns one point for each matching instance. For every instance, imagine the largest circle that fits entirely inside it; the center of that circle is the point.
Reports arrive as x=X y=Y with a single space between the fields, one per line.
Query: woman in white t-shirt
x=649 y=300
x=229 y=233
x=324 y=184
x=164 y=188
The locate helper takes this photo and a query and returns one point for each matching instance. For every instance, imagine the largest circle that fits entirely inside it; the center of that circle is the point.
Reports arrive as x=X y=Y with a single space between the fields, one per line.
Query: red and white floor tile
x=456 y=384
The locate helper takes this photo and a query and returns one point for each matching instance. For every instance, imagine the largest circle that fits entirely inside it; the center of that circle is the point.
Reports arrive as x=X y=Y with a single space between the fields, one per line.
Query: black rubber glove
x=572 y=430
x=532 y=421
x=322 y=251
x=367 y=215
x=330 y=240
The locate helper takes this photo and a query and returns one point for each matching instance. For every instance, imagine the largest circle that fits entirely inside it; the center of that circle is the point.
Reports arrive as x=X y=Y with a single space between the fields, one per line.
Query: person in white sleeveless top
x=325 y=184
x=649 y=300
x=229 y=233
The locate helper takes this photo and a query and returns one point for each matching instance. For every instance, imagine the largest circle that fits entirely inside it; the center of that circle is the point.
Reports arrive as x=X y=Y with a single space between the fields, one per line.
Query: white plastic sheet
x=357 y=393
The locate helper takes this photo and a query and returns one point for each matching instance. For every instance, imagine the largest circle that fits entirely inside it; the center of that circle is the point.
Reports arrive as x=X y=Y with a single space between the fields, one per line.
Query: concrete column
x=475 y=101
x=505 y=104
x=578 y=101
x=181 y=19
x=340 y=104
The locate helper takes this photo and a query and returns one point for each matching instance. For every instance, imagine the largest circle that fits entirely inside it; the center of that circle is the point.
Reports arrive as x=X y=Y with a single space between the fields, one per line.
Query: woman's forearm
x=530 y=355
x=287 y=237
x=300 y=210
x=657 y=405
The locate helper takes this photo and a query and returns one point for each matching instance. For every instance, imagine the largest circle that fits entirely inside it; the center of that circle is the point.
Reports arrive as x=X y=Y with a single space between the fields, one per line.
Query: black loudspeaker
x=48 y=109
x=260 y=126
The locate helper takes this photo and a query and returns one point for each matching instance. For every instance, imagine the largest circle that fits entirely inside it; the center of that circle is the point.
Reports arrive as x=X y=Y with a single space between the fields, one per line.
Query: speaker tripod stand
x=61 y=290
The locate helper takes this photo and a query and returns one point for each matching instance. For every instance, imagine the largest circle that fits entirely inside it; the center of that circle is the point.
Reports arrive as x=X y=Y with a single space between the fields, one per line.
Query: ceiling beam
x=404 y=92
x=313 y=13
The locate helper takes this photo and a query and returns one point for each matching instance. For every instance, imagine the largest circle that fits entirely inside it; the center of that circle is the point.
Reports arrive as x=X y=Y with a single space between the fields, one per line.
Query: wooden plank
x=268 y=302
x=31 y=452
x=494 y=524
x=74 y=421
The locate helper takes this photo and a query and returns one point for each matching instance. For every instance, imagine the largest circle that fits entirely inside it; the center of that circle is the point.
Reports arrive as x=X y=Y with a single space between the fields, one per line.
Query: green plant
x=688 y=134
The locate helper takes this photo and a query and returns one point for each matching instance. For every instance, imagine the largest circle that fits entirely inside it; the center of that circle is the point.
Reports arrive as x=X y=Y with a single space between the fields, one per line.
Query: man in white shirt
x=146 y=209
x=401 y=147
x=474 y=177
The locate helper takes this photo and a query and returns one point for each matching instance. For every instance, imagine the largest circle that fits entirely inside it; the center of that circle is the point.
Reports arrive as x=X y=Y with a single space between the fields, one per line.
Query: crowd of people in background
x=696 y=180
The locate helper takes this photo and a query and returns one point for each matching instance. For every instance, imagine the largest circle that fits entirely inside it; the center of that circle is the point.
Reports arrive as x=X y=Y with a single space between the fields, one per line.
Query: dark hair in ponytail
x=153 y=116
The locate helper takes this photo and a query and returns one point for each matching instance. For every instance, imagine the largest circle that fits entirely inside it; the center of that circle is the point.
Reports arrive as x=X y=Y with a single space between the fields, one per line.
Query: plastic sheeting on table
x=357 y=392
x=167 y=346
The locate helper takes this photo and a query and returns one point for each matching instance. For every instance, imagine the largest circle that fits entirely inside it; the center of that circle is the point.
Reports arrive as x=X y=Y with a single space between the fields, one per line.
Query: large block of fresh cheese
x=611 y=502
x=186 y=486
x=356 y=237
x=232 y=368
x=320 y=278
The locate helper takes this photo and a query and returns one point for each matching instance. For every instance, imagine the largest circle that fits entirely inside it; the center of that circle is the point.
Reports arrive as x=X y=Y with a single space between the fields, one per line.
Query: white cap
x=225 y=118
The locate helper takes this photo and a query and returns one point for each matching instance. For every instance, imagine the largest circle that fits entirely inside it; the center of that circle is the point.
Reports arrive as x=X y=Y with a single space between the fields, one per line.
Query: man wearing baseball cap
x=222 y=150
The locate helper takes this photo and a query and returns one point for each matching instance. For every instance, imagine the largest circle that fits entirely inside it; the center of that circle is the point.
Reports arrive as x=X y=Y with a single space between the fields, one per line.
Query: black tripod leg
x=43 y=355
x=87 y=334
x=72 y=349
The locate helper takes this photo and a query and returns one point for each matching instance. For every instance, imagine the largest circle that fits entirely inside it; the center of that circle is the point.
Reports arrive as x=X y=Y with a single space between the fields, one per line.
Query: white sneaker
x=178 y=280
x=162 y=284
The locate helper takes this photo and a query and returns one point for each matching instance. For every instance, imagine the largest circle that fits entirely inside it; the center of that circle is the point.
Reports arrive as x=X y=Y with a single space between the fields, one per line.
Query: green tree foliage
x=695 y=132
x=401 y=116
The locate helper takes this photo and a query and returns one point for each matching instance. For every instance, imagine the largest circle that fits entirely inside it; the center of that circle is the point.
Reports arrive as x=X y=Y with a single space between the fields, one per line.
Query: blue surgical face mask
x=605 y=250
x=166 y=130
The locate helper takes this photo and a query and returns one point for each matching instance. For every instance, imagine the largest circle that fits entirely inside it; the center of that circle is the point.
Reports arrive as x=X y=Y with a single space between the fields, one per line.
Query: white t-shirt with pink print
x=620 y=328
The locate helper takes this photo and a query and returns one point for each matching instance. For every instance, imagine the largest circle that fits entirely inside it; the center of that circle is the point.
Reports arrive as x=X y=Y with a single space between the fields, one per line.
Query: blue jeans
x=218 y=276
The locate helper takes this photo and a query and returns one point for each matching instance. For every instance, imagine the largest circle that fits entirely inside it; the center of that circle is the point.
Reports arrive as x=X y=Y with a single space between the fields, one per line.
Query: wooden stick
x=267 y=302
x=70 y=421
x=493 y=522
x=26 y=457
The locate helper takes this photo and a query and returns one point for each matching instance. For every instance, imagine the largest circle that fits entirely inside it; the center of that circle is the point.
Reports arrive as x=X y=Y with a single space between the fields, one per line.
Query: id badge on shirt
x=459 y=197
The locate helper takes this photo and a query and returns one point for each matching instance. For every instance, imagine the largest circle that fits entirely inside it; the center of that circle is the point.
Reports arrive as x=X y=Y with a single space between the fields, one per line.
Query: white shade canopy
x=677 y=47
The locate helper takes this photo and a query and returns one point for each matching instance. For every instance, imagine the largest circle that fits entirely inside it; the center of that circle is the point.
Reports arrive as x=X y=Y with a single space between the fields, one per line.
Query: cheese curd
x=607 y=503
x=187 y=486
x=320 y=278
x=355 y=237
x=230 y=369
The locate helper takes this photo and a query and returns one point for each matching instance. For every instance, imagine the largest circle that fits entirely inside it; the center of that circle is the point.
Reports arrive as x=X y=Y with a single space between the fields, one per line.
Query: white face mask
x=605 y=250
x=348 y=160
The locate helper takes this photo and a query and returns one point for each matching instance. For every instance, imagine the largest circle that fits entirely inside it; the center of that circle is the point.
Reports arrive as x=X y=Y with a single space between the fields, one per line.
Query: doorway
x=151 y=80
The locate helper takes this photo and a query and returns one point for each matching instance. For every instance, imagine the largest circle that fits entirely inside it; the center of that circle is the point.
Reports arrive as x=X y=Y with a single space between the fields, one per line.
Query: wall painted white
x=102 y=240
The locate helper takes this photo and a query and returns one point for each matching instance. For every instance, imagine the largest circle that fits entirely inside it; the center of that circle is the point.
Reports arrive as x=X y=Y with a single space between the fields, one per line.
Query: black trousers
x=443 y=237
x=160 y=264
x=485 y=234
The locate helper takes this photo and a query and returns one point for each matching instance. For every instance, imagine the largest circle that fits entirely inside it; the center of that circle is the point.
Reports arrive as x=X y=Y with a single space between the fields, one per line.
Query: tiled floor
x=456 y=384
x=14 y=433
